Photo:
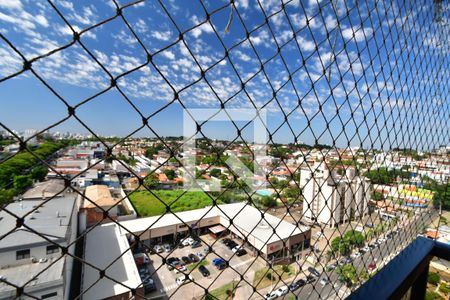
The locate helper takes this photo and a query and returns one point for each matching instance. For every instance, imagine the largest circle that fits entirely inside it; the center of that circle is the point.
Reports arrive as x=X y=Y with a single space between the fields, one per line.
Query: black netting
x=334 y=156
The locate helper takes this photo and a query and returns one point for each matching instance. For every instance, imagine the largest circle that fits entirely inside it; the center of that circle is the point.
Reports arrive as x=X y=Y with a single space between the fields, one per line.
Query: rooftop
x=52 y=272
x=46 y=189
x=245 y=218
x=107 y=245
x=98 y=194
x=51 y=219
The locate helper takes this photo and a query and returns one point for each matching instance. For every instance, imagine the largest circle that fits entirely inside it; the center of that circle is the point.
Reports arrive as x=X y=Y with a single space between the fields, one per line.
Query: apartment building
x=333 y=199
x=30 y=255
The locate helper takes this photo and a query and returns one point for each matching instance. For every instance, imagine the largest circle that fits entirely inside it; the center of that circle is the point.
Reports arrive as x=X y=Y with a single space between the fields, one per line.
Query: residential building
x=333 y=199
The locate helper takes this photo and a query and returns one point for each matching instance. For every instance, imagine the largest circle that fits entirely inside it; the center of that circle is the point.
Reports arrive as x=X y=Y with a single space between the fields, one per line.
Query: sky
x=370 y=77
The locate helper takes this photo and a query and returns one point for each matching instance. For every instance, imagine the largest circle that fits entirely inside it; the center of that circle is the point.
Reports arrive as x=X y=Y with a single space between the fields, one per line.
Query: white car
x=282 y=291
x=235 y=249
x=381 y=241
x=270 y=296
x=356 y=255
x=182 y=280
x=200 y=255
x=366 y=248
x=159 y=249
x=187 y=241
x=324 y=281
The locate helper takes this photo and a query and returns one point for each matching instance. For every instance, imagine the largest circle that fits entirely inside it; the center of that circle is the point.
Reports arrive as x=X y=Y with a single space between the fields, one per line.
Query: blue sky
x=386 y=91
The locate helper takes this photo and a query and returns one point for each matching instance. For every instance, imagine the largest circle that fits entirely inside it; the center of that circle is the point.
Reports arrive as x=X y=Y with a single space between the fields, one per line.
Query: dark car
x=300 y=282
x=295 y=285
x=241 y=252
x=314 y=271
x=221 y=266
x=193 y=257
x=171 y=260
x=204 y=271
x=310 y=279
x=226 y=241
x=149 y=285
x=196 y=244
x=186 y=260
x=232 y=244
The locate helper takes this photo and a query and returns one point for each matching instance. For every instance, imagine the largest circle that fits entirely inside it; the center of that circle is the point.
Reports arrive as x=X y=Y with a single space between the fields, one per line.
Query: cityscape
x=224 y=149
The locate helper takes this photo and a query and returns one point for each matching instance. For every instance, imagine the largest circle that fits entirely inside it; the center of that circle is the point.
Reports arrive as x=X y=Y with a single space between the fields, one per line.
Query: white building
x=332 y=199
x=25 y=253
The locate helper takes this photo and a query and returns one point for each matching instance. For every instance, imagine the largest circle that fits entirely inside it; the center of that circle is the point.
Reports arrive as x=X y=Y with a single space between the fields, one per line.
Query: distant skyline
x=385 y=107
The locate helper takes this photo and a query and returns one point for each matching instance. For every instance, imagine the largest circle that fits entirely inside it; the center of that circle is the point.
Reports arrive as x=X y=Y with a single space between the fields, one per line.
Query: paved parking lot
x=165 y=279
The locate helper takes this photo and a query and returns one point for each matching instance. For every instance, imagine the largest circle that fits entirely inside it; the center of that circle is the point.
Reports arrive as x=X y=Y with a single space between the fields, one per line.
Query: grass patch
x=224 y=292
x=262 y=278
x=146 y=204
x=198 y=264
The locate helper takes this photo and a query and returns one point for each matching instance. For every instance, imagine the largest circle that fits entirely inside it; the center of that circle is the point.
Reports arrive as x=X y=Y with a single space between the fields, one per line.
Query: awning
x=217 y=229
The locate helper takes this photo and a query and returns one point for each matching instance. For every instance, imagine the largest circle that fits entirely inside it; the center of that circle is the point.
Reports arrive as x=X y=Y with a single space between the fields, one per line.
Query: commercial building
x=272 y=238
x=333 y=199
x=106 y=248
x=33 y=248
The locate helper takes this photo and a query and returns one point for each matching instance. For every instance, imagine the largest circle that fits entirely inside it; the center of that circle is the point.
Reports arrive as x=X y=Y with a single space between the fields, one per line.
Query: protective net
x=261 y=149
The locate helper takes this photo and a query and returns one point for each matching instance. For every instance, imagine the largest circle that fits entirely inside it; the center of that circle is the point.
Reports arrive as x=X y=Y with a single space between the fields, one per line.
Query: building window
x=22 y=254
x=52 y=249
x=50 y=295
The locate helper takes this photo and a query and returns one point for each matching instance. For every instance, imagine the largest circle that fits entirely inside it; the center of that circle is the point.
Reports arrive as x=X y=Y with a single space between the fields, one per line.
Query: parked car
x=193 y=257
x=324 y=281
x=366 y=248
x=149 y=285
x=314 y=271
x=356 y=255
x=235 y=249
x=180 y=268
x=221 y=266
x=331 y=267
x=173 y=261
x=167 y=248
x=186 y=260
x=381 y=240
x=300 y=282
x=141 y=259
x=270 y=296
x=204 y=271
x=310 y=279
x=144 y=272
x=282 y=291
x=241 y=252
x=187 y=241
x=218 y=261
x=226 y=241
x=231 y=245
x=196 y=244
x=200 y=255
x=183 y=279
x=159 y=249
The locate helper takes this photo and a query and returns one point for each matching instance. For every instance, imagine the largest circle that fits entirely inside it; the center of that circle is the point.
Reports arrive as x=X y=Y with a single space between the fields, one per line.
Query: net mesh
x=364 y=80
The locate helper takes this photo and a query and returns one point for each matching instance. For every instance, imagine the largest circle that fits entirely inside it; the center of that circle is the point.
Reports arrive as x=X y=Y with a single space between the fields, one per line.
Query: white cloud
x=40 y=19
x=205 y=27
x=11 y=4
x=66 y=4
x=360 y=34
x=161 y=35
x=168 y=54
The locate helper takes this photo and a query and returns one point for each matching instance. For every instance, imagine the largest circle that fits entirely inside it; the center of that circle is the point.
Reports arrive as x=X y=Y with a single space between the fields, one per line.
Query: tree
x=152 y=181
x=170 y=174
x=348 y=273
x=432 y=296
x=340 y=245
x=6 y=196
x=433 y=278
x=215 y=173
x=268 y=201
x=39 y=173
x=355 y=238
x=292 y=192
x=22 y=182
x=377 y=196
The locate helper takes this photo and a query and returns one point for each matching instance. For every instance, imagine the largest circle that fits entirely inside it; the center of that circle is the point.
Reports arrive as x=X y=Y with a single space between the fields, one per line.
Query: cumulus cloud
x=359 y=34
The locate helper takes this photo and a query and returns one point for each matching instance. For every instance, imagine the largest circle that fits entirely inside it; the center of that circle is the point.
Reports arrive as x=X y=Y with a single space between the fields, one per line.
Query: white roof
x=105 y=245
x=246 y=219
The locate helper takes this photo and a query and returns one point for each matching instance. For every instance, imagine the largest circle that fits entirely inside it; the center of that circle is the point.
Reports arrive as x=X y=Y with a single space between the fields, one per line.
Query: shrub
x=433 y=278
x=285 y=268
x=444 y=288
x=432 y=296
